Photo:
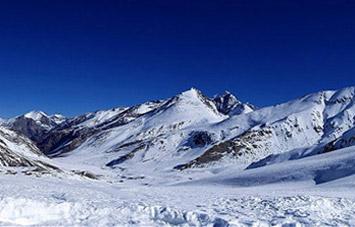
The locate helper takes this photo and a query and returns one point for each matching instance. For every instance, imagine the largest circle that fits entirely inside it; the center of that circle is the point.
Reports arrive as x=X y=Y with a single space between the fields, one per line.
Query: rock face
x=18 y=151
x=345 y=140
x=35 y=125
x=191 y=130
x=228 y=104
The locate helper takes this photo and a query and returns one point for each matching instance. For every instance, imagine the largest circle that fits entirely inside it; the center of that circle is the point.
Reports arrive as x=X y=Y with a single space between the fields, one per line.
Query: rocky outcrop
x=228 y=104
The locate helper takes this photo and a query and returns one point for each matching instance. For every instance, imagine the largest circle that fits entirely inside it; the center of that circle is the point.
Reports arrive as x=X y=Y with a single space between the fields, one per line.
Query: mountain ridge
x=189 y=130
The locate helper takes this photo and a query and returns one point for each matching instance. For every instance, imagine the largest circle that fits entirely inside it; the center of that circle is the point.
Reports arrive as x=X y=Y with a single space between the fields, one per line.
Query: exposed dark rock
x=228 y=104
x=87 y=174
x=29 y=128
x=127 y=156
x=199 y=139
x=235 y=147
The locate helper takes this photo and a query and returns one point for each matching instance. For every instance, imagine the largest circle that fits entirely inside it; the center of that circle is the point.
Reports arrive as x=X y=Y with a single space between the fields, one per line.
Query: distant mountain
x=34 y=124
x=191 y=130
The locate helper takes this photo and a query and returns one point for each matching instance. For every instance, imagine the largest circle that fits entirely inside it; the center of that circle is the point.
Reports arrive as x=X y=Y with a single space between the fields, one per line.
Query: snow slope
x=40 y=118
x=157 y=138
x=345 y=140
x=316 y=118
x=49 y=201
x=317 y=169
x=18 y=151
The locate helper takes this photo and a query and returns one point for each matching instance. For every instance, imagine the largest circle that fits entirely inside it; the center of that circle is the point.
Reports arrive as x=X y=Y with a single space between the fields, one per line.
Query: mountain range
x=187 y=132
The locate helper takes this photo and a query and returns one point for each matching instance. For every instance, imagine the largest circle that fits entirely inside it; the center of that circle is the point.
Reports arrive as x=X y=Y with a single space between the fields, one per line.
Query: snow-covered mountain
x=201 y=155
x=190 y=130
x=316 y=118
x=17 y=151
x=34 y=124
x=154 y=133
x=347 y=139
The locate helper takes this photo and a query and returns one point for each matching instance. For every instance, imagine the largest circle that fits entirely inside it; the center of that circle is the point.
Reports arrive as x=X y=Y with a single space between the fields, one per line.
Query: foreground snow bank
x=247 y=211
x=21 y=211
x=49 y=201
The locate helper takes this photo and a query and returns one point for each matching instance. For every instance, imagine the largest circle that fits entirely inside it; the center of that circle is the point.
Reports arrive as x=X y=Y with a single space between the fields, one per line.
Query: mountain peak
x=190 y=92
x=35 y=115
x=227 y=96
x=227 y=93
x=58 y=118
x=192 y=95
x=227 y=103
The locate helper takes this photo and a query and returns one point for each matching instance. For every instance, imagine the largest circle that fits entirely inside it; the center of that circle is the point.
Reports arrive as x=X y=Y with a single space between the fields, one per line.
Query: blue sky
x=77 y=56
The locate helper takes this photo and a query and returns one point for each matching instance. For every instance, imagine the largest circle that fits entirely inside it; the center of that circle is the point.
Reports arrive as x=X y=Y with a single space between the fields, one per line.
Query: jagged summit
x=224 y=93
x=34 y=124
x=188 y=95
x=58 y=118
x=229 y=104
x=192 y=91
x=35 y=115
x=41 y=117
x=226 y=102
x=192 y=95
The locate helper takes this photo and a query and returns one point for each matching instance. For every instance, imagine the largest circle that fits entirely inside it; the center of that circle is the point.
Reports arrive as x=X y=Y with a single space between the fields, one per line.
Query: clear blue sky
x=77 y=56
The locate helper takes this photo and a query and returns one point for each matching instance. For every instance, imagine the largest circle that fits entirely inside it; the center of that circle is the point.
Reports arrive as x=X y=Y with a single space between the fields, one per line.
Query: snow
x=101 y=116
x=36 y=115
x=317 y=169
x=49 y=201
x=96 y=204
x=58 y=118
x=277 y=196
x=23 y=148
x=188 y=106
x=40 y=118
x=163 y=130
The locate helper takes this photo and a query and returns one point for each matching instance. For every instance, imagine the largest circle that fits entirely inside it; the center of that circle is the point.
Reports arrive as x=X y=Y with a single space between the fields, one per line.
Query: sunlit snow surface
x=49 y=201
x=195 y=199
